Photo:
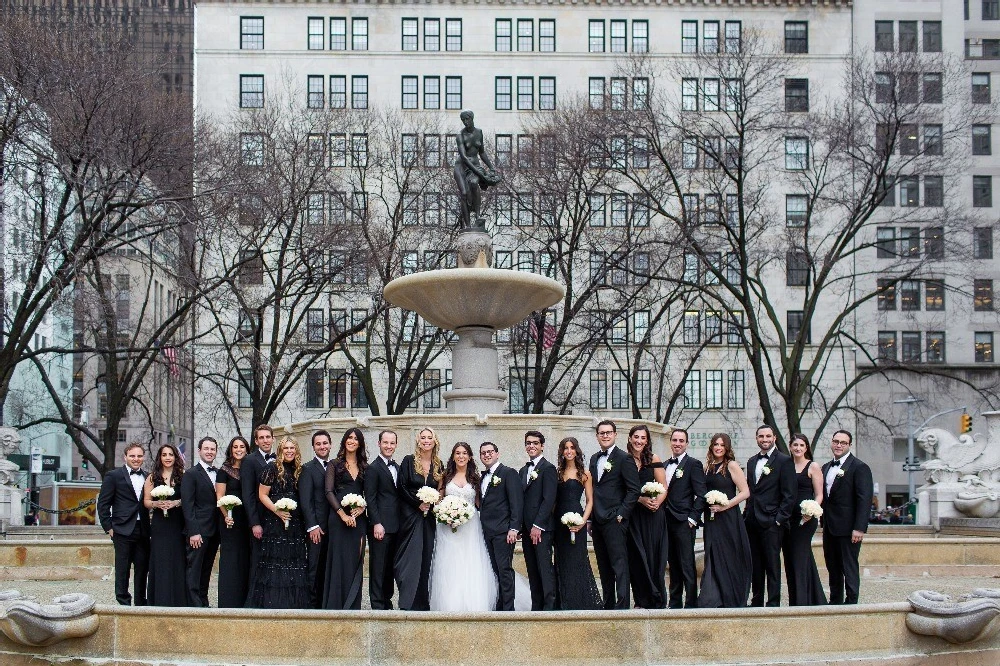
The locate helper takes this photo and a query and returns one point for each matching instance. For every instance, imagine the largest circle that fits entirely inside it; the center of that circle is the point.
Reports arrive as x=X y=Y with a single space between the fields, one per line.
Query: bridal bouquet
x=716 y=497
x=162 y=493
x=652 y=489
x=811 y=509
x=453 y=512
x=571 y=519
x=428 y=495
x=229 y=502
x=286 y=504
x=352 y=502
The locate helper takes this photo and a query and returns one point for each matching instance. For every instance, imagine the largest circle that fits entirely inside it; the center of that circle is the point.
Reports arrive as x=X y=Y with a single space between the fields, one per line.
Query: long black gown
x=576 y=588
x=234 y=549
x=280 y=580
x=725 y=582
x=412 y=565
x=346 y=553
x=647 y=550
x=167 y=557
x=804 y=585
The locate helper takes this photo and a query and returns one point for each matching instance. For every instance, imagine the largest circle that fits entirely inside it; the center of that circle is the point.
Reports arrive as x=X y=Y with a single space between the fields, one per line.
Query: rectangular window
x=983 y=347
x=640 y=93
x=796 y=153
x=338 y=150
x=315 y=207
x=502 y=93
x=981 y=88
x=909 y=242
x=619 y=390
x=909 y=295
x=934 y=243
x=887 y=345
x=689 y=36
x=411 y=34
x=932 y=36
x=692 y=390
x=933 y=191
x=689 y=94
x=982 y=191
x=911 y=346
x=432 y=34
x=886 y=291
x=710 y=94
x=338 y=92
x=797 y=269
x=315 y=326
x=315 y=95
x=244 y=388
x=502 y=39
x=618 y=36
x=504 y=149
x=713 y=321
x=909 y=139
x=736 y=396
x=546 y=93
x=692 y=327
x=315 y=27
x=338 y=34
x=640 y=36
x=796 y=95
x=409 y=150
x=934 y=295
x=252 y=33
x=598 y=389
x=935 y=347
x=909 y=87
x=797 y=327
x=643 y=389
x=796 y=37
x=359 y=150
x=525 y=35
x=359 y=396
x=547 y=35
x=359 y=92
x=596 y=91
x=315 y=383
x=908 y=36
x=982 y=295
x=453 y=35
x=525 y=93
x=909 y=191
x=359 y=34
x=885 y=243
x=982 y=140
x=691 y=268
x=618 y=92
x=432 y=389
x=710 y=37
x=453 y=92
x=595 y=34
x=885 y=85
x=251 y=268
x=432 y=92
x=733 y=94
x=933 y=144
x=597 y=212
x=932 y=88
x=410 y=92
x=982 y=243
x=796 y=210
x=884 y=37
x=713 y=389
x=734 y=36
x=252 y=91
x=991 y=10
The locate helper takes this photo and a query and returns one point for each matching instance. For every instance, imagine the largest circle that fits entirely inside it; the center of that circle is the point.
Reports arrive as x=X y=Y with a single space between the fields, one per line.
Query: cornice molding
x=749 y=4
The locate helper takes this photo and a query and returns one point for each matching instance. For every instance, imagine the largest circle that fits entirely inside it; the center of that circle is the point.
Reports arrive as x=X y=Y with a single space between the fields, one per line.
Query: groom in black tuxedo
x=771 y=477
x=253 y=466
x=500 y=513
x=124 y=518
x=316 y=513
x=684 y=505
x=201 y=522
x=847 y=499
x=383 y=513
x=539 y=481
x=616 y=491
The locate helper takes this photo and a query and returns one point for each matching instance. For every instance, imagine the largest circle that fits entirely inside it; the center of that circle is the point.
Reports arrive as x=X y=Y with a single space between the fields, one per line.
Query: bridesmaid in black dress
x=576 y=588
x=281 y=578
x=346 y=555
x=416 y=530
x=725 y=582
x=647 y=527
x=804 y=585
x=234 y=550
x=167 y=544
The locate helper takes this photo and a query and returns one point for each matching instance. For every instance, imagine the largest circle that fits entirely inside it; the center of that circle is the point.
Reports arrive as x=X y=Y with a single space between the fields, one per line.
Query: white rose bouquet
x=229 y=502
x=717 y=498
x=652 y=489
x=428 y=495
x=286 y=504
x=453 y=512
x=571 y=519
x=810 y=509
x=352 y=501
x=163 y=492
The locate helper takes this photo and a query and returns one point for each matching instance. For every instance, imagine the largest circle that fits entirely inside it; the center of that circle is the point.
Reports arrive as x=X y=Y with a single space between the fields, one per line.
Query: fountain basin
x=456 y=298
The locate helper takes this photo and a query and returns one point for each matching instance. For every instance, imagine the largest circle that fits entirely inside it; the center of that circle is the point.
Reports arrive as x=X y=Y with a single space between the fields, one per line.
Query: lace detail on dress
x=468 y=493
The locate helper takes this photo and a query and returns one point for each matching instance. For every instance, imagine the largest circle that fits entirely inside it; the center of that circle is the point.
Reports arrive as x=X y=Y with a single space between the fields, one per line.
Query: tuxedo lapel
x=837 y=476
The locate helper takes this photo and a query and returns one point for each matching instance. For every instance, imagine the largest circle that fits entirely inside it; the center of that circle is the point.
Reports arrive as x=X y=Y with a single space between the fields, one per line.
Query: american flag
x=170 y=353
x=548 y=333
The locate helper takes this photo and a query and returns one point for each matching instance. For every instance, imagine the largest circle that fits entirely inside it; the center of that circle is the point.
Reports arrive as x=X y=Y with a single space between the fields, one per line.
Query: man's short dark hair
x=495 y=447
x=134 y=445
x=387 y=432
x=687 y=437
x=606 y=422
x=850 y=437
x=535 y=433
x=207 y=439
x=762 y=426
x=321 y=433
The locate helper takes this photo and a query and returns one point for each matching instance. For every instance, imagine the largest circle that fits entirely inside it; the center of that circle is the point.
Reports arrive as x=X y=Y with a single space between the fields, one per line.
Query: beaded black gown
x=647 y=550
x=234 y=548
x=576 y=588
x=801 y=574
x=346 y=553
x=725 y=582
x=280 y=580
x=167 y=557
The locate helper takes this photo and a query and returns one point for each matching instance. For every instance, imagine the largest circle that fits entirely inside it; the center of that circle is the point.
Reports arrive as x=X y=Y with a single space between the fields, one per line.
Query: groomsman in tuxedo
x=684 y=505
x=500 y=511
x=616 y=491
x=539 y=480
x=381 y=480
x=201 y=522
x=252 y=468
x=126 y=521
x=771 y=477
x=847 y=499
x=315 y=513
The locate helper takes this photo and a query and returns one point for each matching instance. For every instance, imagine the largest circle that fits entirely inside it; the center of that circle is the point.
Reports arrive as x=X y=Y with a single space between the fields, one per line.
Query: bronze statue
x=471 y=175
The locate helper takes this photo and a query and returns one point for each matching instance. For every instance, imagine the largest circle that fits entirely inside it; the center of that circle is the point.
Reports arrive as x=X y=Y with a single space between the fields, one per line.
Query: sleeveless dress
x=415 y=539
x=167 y=557
x=647 y=550
x=576 y=588
x=234 y=548
x=725 y=582
x=804 y=585
x=346 y=552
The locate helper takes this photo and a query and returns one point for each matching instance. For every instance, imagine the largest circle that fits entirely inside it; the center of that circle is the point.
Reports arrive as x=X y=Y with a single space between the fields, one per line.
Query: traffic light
x=965 y=423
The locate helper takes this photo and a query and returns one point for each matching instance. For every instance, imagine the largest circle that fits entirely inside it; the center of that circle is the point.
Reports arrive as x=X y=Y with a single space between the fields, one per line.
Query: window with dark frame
x=884 y=37
x=503 y=36
x=432 y=34
x=991 y=10
x=618 y=38
x=734 y=36
x=982 y=191
x=453 y=35
x=887 y=345
x=595 y=36
x=909 y=242
x=689 y=36
x=432 y=92
x=933 y=143
x=932 y=88
x=251 y=91
x=503 y=98
x=525 y=35
x=982 y=243
x=411 y=34
x=981 y=88
x=935 y=346
x=640 y=36
x=932 y=36
x=316 y=33
x=797 y=327
x=933 y=191
x=982 y=140
x=796 y=37
x=547 y=35
x=934 y=243
x=909 y=295
x=525 y=93
x=797 y=268
x=359 y=34
x=410 y=92
x=252 y=33
x=886 y=290
x=315 y=95
x=934 y=295
x=359 y=92
x=338 y=92
x=910 y=347
x=796 y=210
x=710 y=37
x=546 y=93
x=453 y=92
x=908 y=36
x=885 y=243
x=982 y=295
x=338 y=34
x=796 y=95
x=983 y=346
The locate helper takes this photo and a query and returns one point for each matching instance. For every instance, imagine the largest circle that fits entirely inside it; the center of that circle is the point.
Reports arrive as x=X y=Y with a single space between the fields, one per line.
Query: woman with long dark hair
x=167 y=543
x=576 y=588
x=234 y=549
x=725 y=582
x=417 y=526
x=804 y=585
x=348 y=526
x=647 y=527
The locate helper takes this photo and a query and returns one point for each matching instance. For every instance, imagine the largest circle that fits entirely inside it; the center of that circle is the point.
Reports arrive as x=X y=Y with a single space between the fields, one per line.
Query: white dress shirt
x=487 y=476
x=831 y=474
x=210 y=472
x=761 y=462
x=671 y=468
x=602 y=459
x=393 y=469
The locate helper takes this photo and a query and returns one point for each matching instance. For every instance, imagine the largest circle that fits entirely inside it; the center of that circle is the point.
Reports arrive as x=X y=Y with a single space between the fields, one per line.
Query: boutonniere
x=679 y=473
x=766 y=471
x=608 y=466
x=495 y=480
x=840 y=473
x=532 y=476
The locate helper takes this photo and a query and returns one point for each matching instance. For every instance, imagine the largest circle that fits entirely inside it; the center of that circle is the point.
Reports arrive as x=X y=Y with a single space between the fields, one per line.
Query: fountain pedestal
x=475 y=373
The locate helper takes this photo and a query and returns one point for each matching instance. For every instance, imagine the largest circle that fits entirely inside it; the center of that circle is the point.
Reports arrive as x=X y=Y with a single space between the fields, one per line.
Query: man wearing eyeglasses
x=847 y=498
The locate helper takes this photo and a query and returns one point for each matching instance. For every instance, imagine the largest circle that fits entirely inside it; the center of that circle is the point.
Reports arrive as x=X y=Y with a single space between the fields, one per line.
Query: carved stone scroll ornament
x=973 y=618
x=30 y=623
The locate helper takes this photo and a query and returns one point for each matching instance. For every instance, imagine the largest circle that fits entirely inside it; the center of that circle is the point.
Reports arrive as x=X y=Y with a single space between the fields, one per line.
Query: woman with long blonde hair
x=281 y=579
x=416 y=530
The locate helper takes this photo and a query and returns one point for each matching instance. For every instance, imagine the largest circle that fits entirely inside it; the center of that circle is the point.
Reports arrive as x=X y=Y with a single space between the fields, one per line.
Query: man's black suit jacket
x=117 y=505
x=312 y=495
x=686 y=493
x=539 y=495
x=617 y=491
x=501 y=507
x=847 y=506
x=250 y=472
x=382 y=496
x=201 y=515
x=772 y=496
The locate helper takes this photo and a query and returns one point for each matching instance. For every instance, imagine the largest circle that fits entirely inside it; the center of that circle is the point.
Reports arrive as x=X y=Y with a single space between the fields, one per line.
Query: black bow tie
x=835 y=463
x=763 y=456
x=268 y=457
x=673 y=461
x=531 y=463
x=392 y=463
x=324 y=463
x=137 y=472
x=211 y=468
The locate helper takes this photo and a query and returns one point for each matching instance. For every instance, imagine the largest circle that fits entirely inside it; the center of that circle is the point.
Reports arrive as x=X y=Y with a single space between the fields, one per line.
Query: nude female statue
x=471 y=175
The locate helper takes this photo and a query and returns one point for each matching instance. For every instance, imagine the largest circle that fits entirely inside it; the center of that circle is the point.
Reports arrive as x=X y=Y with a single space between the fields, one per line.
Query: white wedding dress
x=461 y=578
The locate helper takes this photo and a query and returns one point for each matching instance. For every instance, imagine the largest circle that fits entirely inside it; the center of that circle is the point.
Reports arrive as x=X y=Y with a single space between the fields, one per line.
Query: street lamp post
x=910 y=403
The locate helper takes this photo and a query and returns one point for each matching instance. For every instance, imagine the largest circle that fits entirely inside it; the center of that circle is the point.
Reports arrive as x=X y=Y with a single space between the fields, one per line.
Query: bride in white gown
x=461 y=578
